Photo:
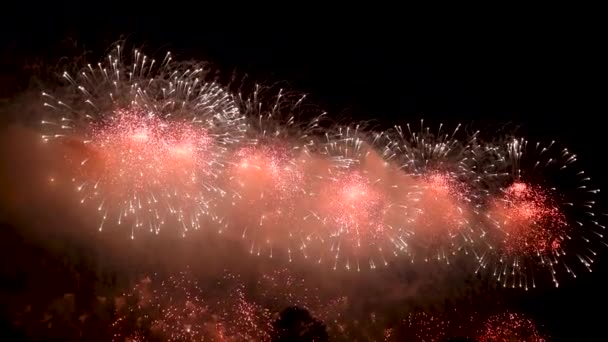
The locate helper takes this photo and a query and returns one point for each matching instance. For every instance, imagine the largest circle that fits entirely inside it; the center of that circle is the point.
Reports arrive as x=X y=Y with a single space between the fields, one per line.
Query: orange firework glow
x=441 y=216
x=156 y=142
x=268 y=180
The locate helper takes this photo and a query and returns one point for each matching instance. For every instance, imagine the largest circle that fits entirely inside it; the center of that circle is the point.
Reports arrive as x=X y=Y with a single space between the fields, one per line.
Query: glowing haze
x=155 y=144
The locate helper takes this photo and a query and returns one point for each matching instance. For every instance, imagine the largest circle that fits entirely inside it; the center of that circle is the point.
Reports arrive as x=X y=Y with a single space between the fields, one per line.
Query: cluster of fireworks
x=163 y=144
x=180 y=309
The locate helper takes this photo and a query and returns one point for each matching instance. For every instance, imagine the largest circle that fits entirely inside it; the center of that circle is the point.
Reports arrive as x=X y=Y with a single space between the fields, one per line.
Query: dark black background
x=541 y=69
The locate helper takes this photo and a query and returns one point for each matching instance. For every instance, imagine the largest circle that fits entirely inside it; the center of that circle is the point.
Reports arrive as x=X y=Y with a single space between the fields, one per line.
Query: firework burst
x=444 y=168
x=268 y=173
x=358 y=202
x=146 y=138
x=442 y=219
x=543 y=217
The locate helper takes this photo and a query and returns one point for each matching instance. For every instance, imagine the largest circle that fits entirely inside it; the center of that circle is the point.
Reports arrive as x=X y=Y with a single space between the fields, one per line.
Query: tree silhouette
x=297 y=325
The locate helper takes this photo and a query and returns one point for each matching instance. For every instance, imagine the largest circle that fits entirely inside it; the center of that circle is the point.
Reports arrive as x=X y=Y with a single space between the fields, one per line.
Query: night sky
x=543 y=72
